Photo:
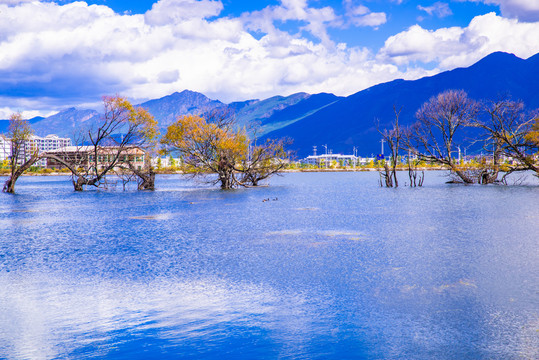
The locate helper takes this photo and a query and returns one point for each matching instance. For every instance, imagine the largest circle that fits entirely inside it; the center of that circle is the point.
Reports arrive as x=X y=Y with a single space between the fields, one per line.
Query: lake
x=314 y=266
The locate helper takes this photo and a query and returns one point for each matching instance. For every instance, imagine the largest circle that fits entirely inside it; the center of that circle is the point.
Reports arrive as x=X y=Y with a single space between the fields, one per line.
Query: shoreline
x=283 y=171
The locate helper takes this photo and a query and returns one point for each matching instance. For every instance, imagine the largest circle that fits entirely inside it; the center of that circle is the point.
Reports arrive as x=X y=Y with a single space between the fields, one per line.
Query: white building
x=330 y=159
x=165 y=162
x=44 y=144
x=48 y=143
x=5 y=148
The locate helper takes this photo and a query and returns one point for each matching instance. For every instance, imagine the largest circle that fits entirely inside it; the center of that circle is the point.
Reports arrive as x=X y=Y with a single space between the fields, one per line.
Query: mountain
x=351 y=121
x=278 y=111
x=339 y=122
x=168 y=108
x=4 y=124
x=66 y=123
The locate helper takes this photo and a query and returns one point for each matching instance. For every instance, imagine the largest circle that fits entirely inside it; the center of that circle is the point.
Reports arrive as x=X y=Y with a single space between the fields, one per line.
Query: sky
x=58 y=54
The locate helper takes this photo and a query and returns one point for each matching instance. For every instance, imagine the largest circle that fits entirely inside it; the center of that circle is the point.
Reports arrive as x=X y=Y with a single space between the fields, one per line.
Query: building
x=83 y=156
x=327 y=160
x=5 y=148
x=48 y=143
x=43 y=144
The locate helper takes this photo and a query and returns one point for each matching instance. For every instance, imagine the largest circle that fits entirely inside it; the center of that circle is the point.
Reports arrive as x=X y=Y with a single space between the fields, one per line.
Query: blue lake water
x=331 y=267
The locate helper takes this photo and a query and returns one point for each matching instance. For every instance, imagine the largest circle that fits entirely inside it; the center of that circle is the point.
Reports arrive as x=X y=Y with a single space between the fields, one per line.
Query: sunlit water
x=332 y=266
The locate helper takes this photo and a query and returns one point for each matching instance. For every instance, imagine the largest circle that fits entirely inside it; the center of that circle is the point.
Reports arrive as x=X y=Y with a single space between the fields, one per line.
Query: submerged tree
x=513 y=133
x=118 y=140
x=434 y=137
x=214 y=145
x=22 y=156
x=393 y=138
x=210 y=146
x=263 y=159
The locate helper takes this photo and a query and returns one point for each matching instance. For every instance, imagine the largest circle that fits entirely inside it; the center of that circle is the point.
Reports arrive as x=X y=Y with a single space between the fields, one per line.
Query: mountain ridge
x=340 y=122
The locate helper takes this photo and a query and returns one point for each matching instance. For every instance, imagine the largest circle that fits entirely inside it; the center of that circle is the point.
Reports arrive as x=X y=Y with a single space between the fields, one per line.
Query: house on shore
x=84 y=156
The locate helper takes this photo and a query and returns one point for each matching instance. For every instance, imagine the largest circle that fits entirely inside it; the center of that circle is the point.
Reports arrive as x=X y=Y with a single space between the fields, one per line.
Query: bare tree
x=416 y=178
x=433 y=138
x=393 y=138
x=264 y=159
x=116 y=141
x=509 y=129
x=22 y=157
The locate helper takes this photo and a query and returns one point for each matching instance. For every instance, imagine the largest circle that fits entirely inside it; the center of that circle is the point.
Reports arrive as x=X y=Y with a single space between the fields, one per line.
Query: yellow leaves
x=533 y=135
x=191 y=132
x=125 y=117
x=19 y=129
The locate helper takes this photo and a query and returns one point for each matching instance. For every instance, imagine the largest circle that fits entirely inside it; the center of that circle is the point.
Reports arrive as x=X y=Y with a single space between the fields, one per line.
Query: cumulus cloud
x=438 y=9
x=13 y=2
x=72 y=54
x=172 y=11
x=315 y=20
x=524 y=10
x=456 y=46
x=360 y=15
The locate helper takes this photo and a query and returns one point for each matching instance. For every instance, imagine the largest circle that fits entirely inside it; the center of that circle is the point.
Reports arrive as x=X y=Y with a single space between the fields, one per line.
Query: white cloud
x=74 y=53
x=524 y=10
x=14 y=2
x=315 y=20
x=438 y=9
x=173 y=11
x=360 y=15
x=456 y=46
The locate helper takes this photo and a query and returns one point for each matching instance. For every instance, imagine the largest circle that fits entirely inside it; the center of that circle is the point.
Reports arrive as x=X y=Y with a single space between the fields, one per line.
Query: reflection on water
x=336 y=268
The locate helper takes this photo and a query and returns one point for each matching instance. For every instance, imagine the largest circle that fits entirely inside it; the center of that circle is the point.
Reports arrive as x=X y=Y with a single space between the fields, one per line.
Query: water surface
x=315 y=266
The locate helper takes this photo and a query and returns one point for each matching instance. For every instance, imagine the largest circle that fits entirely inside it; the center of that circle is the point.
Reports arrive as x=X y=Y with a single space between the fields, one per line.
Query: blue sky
x=55 y=54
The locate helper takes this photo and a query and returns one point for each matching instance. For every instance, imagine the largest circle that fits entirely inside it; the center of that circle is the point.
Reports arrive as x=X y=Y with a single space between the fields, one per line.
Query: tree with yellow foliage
x=107 y=153
x=208 y=145
x=514 y=132
x=19 y=132
x=214 y=145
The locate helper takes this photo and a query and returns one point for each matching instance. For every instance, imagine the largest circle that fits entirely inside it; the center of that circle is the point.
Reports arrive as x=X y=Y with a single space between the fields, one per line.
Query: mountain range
x=326 y=119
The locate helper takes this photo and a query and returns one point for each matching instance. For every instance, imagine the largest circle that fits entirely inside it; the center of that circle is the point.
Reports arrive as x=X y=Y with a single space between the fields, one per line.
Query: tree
x=208 y=146
x=115 y=143
x=393 y=138
x=214 y=145
x=433 y=138
x=22 y=158
x=513 y=133
x=263 y=161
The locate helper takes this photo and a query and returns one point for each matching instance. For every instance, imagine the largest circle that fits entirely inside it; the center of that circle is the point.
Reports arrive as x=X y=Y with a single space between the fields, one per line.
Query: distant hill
x=278 y=112
x=350 y=121
x=4 y=124
x=66 y=123
x=339 y=122
x=167 y=108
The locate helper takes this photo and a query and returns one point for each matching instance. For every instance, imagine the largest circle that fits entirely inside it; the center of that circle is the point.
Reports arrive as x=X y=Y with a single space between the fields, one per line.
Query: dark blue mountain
x=351 y=121
x=279 y=111
x=4 y=124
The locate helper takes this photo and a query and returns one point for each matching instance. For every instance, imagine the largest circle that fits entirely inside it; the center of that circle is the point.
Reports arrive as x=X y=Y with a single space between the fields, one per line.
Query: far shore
x=179 y=172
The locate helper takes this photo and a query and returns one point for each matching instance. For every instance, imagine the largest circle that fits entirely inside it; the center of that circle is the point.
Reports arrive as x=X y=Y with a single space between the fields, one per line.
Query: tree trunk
x=462 y=175
x=147 y=181
x=9 y=186
x=78 y=185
